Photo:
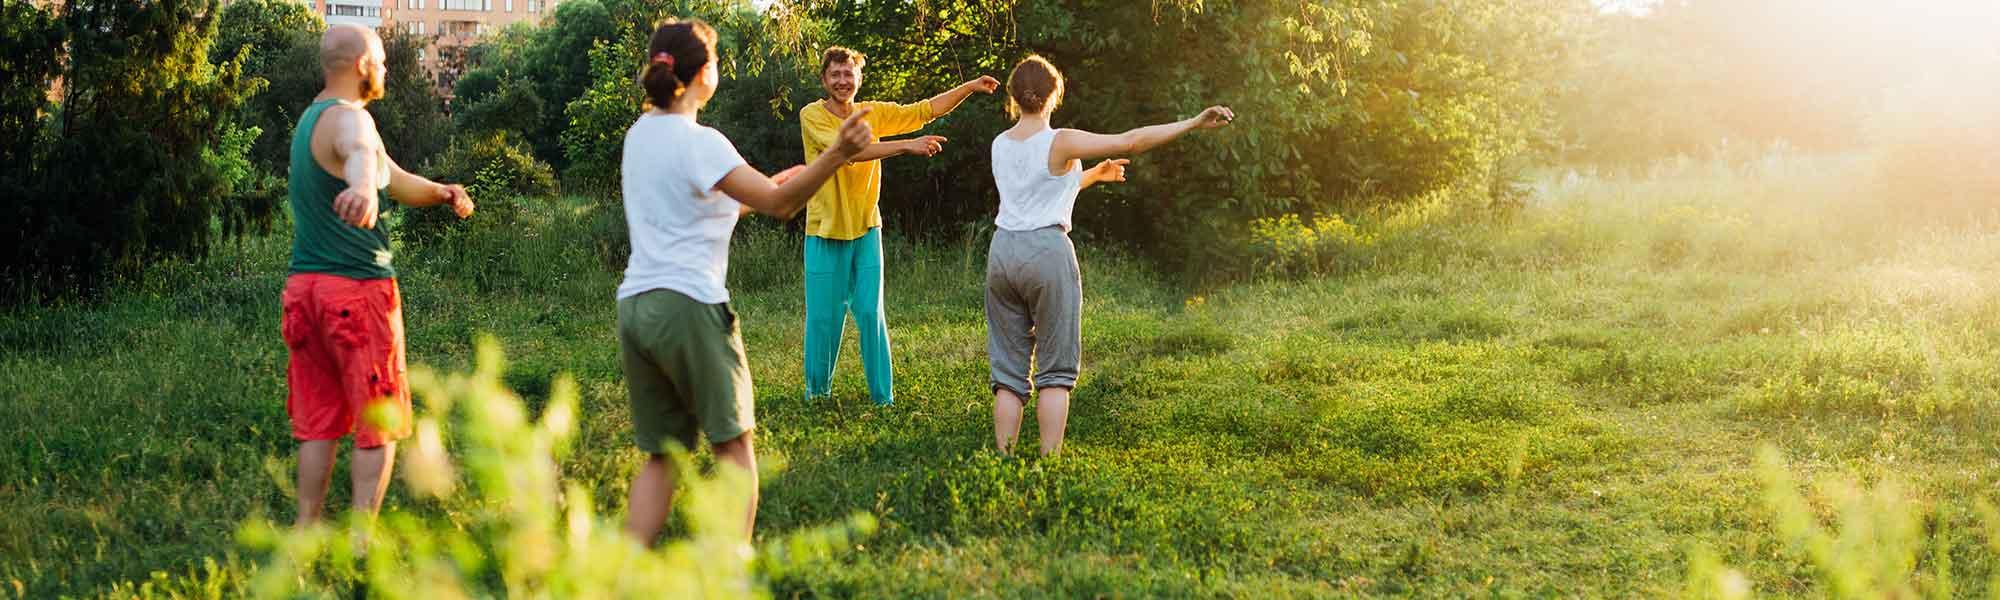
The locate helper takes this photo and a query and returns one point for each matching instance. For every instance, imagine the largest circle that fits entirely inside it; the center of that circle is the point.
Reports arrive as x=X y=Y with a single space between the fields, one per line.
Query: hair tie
x=664 y=59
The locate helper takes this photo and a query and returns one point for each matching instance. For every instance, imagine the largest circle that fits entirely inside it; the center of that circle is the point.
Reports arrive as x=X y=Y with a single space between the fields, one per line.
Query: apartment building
x=367 y=13
x=455 y=25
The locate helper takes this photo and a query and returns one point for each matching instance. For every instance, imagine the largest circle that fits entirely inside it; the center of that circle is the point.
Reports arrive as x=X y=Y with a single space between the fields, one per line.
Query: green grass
x=1567 y=401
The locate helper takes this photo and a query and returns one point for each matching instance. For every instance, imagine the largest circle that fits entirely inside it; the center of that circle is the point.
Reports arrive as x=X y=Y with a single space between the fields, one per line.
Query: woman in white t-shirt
x=684 y=186
x=1034 y=290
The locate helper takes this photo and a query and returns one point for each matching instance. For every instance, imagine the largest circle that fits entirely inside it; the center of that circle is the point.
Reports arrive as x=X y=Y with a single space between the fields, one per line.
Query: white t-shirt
x=1031 y=198
x=680 y=224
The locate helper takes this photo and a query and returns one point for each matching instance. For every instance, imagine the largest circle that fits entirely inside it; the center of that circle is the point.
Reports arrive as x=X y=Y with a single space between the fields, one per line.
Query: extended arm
x=948 y=101
x=1073 y=144
x=928 y=145
x=784 y=196
x=410 y=189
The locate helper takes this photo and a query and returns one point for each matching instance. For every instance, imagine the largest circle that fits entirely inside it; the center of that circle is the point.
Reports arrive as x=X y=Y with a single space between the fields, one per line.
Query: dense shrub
x=118 y=182
x=497 y=169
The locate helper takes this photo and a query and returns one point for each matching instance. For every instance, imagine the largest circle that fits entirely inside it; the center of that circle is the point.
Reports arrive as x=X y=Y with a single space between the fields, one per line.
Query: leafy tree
x=279 y=40
x=264 y=28
x=557 y=63
x=411 y=115
x=512 y=106
x=116 y=187
x=552 y=62
x=31 y=39
x=763 y=62
x=475 y=85
x=598 y=119
x=1343 y=103
x=494 y=57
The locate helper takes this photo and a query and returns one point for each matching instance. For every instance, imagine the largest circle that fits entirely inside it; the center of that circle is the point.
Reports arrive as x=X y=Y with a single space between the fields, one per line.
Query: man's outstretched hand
x=928 y=145
x=985 y=84
x=459 y=199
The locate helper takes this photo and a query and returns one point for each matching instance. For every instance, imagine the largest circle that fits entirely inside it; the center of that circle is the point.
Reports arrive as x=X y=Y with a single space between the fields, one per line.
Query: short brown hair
x=838 y=54
x=1035 y=86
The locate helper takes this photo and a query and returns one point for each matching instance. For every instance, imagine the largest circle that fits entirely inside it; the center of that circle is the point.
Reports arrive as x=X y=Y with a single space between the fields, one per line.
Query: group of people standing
x=684 y=187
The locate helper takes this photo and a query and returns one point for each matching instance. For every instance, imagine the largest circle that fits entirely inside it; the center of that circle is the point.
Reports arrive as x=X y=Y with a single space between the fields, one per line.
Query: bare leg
x=1052 y=412
x=652 y=499
x=741 y=453
x=372 y=468
x=315 y=472
x=1006 y=419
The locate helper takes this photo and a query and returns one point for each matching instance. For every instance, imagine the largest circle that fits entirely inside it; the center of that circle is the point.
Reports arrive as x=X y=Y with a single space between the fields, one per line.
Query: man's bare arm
x=410 y=189
x=358 y=151
x=948 y=100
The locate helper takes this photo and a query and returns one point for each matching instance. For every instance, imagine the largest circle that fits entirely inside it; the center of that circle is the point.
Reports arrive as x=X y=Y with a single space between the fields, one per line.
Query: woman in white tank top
x=1034 y=291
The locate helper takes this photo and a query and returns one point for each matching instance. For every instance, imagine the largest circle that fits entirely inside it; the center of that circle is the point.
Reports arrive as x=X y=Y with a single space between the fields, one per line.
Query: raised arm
x=1073 y=144
x=948 y=101
x=782 y=199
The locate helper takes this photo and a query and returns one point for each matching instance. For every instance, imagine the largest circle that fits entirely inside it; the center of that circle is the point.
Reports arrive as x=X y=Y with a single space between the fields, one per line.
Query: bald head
x=351 y=58
x=343 y=44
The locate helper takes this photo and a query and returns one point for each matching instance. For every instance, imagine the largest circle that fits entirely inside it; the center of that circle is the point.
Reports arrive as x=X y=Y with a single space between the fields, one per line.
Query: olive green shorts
x=684 y=369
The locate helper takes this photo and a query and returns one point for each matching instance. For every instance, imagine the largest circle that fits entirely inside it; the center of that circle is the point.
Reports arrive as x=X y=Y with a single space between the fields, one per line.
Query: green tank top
x=321 y=242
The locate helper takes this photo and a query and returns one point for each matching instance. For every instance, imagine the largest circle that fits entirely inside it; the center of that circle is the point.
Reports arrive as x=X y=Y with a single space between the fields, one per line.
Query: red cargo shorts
x=347 y=373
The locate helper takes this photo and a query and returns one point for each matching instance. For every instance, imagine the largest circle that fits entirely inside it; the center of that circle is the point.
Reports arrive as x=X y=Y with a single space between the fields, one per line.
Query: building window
x=348 y=10
x=534 y=6
x=461 y=28
x=480 y=5
x=510 y=5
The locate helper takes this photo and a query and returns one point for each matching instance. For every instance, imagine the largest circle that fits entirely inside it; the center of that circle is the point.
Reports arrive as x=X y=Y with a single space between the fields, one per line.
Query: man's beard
x=372 y=89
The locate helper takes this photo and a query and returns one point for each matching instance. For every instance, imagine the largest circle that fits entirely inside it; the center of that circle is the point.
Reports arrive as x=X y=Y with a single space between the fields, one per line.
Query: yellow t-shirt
x=848 y=205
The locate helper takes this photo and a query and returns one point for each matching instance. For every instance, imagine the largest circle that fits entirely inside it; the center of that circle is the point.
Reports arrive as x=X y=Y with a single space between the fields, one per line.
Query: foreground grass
x=1568 y=401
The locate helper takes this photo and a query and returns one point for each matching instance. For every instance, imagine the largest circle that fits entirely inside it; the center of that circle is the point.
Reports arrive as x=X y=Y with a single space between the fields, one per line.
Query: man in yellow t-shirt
x=843 y=253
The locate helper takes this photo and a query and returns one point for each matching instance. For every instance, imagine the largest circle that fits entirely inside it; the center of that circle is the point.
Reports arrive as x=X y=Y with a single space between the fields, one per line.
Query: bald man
x=343 y=320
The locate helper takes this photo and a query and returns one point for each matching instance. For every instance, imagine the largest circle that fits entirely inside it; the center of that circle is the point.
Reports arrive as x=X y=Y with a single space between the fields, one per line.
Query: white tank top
x=1031 y=198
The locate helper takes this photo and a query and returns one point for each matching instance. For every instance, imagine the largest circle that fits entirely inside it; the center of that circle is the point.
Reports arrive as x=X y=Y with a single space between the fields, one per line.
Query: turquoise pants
x=842 y=277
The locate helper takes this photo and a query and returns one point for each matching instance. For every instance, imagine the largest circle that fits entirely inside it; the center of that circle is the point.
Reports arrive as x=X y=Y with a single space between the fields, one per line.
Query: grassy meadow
x=1568 y=399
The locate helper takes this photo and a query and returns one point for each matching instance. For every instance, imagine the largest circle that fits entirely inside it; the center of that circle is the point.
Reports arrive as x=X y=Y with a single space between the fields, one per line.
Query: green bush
x=251 y=190
x=1286 y=246
x=497 y=170
x=1882 y=542
x=493 y=517
x=511 y=107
